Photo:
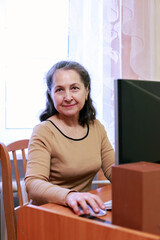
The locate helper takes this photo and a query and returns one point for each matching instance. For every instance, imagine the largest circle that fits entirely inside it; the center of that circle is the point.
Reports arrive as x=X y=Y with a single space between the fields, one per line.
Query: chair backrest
x=7 y=181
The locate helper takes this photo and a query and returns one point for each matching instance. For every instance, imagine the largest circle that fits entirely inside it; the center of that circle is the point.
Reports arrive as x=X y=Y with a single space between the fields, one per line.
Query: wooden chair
x=100 y=180
x=7 y=182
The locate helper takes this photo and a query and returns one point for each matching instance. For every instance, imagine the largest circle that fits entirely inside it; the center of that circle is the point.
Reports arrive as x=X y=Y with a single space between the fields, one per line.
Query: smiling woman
x=70 y=145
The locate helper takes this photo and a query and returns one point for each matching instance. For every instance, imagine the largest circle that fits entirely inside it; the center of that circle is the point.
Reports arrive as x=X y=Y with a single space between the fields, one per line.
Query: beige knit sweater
x=58 y=164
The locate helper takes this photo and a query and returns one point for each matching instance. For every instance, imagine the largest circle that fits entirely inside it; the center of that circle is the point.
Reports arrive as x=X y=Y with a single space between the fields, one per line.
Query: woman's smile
x=69 y=105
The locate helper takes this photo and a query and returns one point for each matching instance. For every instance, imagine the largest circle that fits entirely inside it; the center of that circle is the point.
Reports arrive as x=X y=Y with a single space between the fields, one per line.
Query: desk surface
x=52 y=221
x=104 y=193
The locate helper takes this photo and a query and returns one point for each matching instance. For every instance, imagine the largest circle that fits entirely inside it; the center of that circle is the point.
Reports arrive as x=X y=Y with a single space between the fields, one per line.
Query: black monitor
x=137 y=121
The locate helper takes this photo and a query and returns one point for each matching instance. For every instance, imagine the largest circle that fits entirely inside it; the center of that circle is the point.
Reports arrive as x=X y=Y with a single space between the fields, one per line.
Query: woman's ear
x=87 y=92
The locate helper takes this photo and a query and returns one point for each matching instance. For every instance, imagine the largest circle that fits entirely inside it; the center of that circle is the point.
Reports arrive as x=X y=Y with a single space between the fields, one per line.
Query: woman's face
x=68 y=92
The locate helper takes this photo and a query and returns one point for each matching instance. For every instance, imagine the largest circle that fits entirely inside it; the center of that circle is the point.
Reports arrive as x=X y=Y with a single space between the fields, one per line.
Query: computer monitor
x=137 y=121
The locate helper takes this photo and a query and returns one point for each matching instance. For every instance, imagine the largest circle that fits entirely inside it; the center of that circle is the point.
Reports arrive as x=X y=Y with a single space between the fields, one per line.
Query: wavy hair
x=88 y=112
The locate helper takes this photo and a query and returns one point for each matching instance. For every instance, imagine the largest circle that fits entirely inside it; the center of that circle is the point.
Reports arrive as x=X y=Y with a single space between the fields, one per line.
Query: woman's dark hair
x=88 y=112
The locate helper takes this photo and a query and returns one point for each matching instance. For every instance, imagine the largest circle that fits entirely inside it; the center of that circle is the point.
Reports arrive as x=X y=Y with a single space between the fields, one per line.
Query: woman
x=70 y=145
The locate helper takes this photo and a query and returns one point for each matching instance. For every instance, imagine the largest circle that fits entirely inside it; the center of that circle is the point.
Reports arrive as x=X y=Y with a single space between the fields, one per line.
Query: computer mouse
x=92 y=213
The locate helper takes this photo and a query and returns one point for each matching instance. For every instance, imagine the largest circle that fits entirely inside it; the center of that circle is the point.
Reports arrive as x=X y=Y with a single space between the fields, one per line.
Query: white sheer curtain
x=90 y=44
x=86 y=41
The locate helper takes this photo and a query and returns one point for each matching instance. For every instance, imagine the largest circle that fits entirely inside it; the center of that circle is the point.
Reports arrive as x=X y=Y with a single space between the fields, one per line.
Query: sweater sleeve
x=107 y=154
x=38 y=169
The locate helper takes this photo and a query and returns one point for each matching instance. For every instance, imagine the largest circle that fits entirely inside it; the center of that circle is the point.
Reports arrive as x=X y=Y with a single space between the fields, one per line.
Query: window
x=34 y=35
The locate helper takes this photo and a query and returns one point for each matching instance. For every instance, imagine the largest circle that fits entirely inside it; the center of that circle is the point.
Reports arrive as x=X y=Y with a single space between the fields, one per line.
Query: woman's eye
x=58 y=89
x=75 y=88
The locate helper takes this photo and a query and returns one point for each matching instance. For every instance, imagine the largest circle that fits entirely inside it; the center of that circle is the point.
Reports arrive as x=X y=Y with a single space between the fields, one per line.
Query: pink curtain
x=131 y=47
x=139 y=49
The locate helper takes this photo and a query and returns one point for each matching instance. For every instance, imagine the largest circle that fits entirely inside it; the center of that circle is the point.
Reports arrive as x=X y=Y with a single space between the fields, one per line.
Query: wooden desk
x=52 y=221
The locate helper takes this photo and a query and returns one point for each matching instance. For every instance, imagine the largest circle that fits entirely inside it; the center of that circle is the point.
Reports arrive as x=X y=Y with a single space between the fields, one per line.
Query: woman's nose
x=68 y=96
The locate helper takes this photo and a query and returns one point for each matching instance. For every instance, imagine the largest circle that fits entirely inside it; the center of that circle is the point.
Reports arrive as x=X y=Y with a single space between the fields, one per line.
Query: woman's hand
x=76 y=199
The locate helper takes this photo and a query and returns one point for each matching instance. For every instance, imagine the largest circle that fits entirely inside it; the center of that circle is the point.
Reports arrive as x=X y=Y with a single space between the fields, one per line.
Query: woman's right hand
x=76 y=199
